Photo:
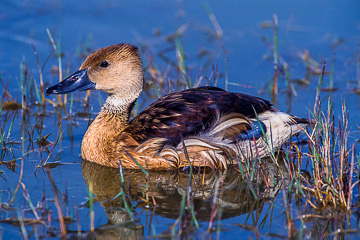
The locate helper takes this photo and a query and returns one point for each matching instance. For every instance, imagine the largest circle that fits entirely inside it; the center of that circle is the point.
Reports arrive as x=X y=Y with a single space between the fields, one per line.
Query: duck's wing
x=197 y=111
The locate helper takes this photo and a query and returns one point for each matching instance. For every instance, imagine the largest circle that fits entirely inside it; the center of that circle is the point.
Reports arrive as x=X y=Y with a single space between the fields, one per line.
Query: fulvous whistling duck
x=204 y=126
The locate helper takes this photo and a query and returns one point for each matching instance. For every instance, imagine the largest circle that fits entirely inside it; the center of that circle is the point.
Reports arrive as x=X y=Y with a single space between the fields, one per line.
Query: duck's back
x=194 y=111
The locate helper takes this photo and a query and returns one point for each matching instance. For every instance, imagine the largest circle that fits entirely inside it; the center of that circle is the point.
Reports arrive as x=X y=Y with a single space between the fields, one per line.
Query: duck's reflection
x=163 y=193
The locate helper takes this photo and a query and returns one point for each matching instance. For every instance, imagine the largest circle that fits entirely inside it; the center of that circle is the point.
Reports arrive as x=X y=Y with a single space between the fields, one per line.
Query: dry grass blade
x=218 y=30
x=58 y=137
x=275 y=58
x=40 y=74
x=19 y=182
x=56 y=47
x=57 y=204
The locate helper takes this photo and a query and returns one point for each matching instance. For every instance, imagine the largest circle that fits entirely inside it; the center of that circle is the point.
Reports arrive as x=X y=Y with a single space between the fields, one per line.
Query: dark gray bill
x=76 y=82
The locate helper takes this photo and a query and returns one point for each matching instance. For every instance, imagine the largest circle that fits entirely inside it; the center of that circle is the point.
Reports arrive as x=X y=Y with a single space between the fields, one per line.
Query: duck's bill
x=76 y=82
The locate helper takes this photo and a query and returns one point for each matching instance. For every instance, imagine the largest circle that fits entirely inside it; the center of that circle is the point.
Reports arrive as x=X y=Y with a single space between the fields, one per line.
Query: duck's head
x=116 y=70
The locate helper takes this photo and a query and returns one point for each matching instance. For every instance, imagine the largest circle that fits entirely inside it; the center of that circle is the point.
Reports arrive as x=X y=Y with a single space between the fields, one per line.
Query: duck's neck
x=120 y=107
x=103 y=133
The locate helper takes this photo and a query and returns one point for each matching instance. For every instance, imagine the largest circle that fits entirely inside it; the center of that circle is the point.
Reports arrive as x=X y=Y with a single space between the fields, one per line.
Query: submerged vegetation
x=311 y=186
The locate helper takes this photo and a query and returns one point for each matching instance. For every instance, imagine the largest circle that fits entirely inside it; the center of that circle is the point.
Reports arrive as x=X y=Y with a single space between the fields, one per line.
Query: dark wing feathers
x=191 y=112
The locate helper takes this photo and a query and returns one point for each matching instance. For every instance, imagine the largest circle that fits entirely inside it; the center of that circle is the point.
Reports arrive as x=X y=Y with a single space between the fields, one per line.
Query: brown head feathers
x=116 y=52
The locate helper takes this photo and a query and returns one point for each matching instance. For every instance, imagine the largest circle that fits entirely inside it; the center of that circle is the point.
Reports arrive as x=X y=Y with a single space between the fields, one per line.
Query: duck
x=197 y=127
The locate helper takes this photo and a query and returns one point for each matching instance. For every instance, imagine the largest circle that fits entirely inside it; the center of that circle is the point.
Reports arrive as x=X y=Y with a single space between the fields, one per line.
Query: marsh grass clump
x=331 y=181
x=334 y=165
x=326 y=185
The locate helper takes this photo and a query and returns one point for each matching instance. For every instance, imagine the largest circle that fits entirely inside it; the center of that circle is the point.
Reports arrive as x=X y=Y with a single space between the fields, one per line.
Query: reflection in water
x=163 y=192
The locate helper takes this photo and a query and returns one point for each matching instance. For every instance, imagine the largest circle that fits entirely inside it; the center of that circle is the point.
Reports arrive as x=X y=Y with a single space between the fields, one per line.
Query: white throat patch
x=115 y=103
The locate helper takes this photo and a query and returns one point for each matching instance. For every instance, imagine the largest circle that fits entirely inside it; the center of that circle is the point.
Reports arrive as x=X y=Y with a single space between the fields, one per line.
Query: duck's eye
x=104 y=64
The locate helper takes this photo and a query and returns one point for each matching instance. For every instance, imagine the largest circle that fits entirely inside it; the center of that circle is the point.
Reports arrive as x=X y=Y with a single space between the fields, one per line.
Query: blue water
x=303 y=25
